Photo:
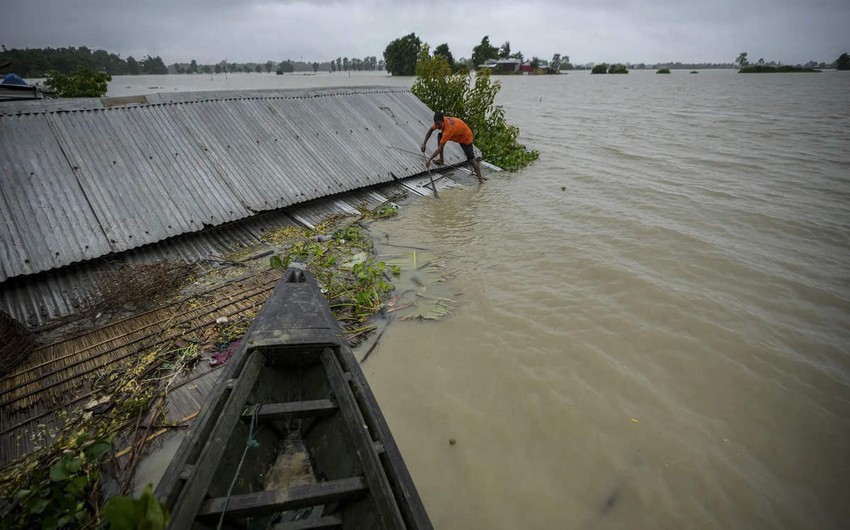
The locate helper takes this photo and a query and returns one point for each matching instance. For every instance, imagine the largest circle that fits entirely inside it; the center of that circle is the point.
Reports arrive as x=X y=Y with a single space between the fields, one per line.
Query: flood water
x=653 y=320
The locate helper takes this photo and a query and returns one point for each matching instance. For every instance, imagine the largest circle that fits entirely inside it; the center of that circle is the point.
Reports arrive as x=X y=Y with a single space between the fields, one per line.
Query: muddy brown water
x=652 y=326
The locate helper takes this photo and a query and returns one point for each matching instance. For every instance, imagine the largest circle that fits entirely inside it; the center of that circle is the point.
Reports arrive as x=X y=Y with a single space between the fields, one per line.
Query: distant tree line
x=287 y=66
x=38 y=62
x=743 y=64
x=399 y=58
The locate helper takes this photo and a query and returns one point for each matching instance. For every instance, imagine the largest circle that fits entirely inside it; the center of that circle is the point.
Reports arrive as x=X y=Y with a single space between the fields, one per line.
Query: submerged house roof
x=83 y=179
x=183 y=174
x=94 y=183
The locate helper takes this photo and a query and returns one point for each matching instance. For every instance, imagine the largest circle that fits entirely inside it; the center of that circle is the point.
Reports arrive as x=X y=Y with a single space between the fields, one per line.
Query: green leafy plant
x=58 y=498
x=472 y=99
x=144 y=513
x=83 y=82
x=663 y=71
x=354 y=283
x=382 y=212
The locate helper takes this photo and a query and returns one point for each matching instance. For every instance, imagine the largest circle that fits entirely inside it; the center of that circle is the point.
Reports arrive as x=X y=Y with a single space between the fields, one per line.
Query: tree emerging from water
x=472 y=99
x=401 y=55
x=83 y=82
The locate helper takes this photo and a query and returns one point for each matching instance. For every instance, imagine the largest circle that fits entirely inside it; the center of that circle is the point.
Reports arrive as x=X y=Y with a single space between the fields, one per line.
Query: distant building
x=502 y=66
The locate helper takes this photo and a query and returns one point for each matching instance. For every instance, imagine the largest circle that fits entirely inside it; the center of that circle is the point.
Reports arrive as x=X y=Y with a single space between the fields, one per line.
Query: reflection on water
x=654 y=318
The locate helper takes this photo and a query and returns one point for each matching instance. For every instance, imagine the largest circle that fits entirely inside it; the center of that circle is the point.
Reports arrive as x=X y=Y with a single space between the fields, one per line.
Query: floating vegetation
x=424 y=299
x=340 y=255
x=382 y=212
x=430 y=307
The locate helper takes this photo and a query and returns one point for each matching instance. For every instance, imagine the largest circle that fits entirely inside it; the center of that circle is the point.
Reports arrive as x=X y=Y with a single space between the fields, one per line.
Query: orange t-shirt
x=454 y=130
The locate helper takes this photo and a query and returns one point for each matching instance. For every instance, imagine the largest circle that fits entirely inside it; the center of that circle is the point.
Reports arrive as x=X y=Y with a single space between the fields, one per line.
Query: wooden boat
x=292 y=438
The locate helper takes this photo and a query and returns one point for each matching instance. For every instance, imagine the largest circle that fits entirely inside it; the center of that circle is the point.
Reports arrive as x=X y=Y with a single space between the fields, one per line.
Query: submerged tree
x=843 y=62
x=555 y=64
x=505 y=50
x=473 y=101
x=483 y=52
x=742 y=61
x=401 y=55
x=153 y=65
x=132 y=66
x=443 y=49
x=83 y=82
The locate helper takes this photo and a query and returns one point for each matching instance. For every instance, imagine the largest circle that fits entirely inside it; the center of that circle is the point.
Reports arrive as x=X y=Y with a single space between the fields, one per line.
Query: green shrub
x=663 y=71
x=618 y=69
x=600 y=69
x=58 y=496
x=474 y=103
x=83 y=82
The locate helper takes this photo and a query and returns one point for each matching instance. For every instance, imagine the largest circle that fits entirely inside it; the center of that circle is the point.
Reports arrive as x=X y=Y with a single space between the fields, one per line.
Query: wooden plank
x=409 y=502
x=361 y=442
x=170 y=486
x=292 y=409
x=193 y=492
x=330 y=521
x=271 y=502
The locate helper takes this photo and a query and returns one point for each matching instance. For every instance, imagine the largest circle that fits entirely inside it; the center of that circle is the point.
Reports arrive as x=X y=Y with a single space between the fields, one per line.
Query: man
x=454 y=130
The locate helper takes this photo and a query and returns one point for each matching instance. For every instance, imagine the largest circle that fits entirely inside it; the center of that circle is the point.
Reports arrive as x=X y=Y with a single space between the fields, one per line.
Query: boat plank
x=362 y=443
x=271 y=502
x=182 y=464
x=294 y=409
x=331 y=521
x=408 y=499
x=183 y=513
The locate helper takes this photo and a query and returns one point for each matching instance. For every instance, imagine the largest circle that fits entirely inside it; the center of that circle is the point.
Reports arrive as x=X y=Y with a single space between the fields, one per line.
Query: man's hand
x=427 y=163
x=422 y=148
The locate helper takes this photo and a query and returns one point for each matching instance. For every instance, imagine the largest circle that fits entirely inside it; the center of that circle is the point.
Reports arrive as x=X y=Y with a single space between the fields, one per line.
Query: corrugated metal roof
x=46 y=221
x=38 y=299
x=85 y=178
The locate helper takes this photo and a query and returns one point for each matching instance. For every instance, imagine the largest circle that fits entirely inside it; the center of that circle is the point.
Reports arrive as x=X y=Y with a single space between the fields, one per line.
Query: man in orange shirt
x=452 y=129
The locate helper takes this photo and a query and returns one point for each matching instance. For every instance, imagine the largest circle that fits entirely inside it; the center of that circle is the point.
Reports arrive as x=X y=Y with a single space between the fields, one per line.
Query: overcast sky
x=789 y=31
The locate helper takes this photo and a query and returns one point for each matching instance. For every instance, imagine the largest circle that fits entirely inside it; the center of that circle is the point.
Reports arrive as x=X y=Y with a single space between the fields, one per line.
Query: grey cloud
x=586 y=30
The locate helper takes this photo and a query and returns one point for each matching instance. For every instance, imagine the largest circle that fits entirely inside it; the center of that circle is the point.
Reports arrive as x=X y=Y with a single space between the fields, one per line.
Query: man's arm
x=435 y=154
x=425 y=141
